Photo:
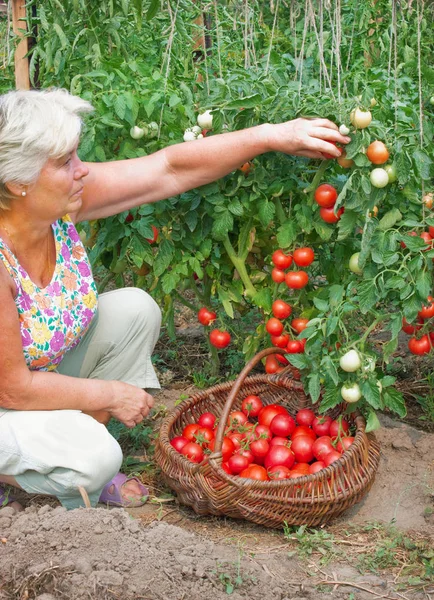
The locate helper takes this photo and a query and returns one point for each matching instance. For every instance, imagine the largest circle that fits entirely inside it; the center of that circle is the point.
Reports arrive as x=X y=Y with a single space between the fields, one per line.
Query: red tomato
x=282 y=425
x=431 y=231
x=248 y=454
x=207 y=419
x=305 y=416
x=377 y=153
x=204 y=435
x=237 y=439
x=331 y=457
x=226 y=468
x=153 y=239
x=281 y=310
x=322 y=446
x=427 y=238
x=344 y=443
x=316 y=466
x=279 y=455
x=282 y=359
x=279 y=472
x=206 y=317
x=236 y=418
x=189 y=431
x=271 y=365
x=303 y=257
x=262 y=431
x=193 y=452
x=339 y=427
x=280 y=441
x=219 y=339
x=259 y=448
x=427 y=312
x=274 y=326
x=302 y=448
x=237 y=463
x=303 y=430
x=251 y=406
x=255 y=472
x=296 y=280
x=268 y=413
x=421 y=346
x=281 y=260
x=321 y=425
x=299 y=325
x=407 y=328
x=228 y=447
x=326 y=195
x=281 y=341
x=328 y=215
x=300 y=470
x=178 y=442
x=294 y=347
x=277 y=275
x=129 y=218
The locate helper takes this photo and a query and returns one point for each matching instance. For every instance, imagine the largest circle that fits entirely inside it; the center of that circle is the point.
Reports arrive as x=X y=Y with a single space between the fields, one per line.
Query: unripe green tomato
x=351 y=393
x=391 y=173
x=350 y=361
x=379 y=177
x=431 y=100
x=354 y=264
x=119 y=266
x=137 y=132
x=344 y=130
x=360 y=118
x=205 y=120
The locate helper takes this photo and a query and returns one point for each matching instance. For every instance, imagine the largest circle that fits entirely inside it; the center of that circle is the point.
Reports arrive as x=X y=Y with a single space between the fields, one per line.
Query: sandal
x=7 y=499
x=114 y=498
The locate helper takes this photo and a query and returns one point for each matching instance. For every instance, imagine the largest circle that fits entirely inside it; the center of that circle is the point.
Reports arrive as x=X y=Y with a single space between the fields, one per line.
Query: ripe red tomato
x=407 y=328
x=268 y=413
x=262 y=431
x=219 y=339
x=316 y=466
x=204 y=435
x=305 y=416
x=154 y=237
x=206 y=317
x=226 y=468
x=178 y=442
x=303 y=430
x=427 y=312
x=321 y=425
x=328 y=215
x=302 y=448
x=271 y=365
x=279 y=455
x=299 y=324
x=278 y=472
x=331 y=457
x=294 y=347
x=193 y=452
x=427 y=238
x=236 y=418
x=259 y=448
x=282 y=425
x=303 y=257
x=300 y=470
x=344 y=443
x=189 y=431
x=228 y=447
x=377 y=153
x=431 y=231
x=281 y=260
x=277 y=275
x=207 y=419
x=281 y=341
x=236 y=438
x=251 y=405
x=282 y=359
x=280 y=441
x=237 y=463
x=281 y=310
x=296 y=280
x=255 y=472
x=274 y=326
x=326 y=195
x=339 y=427
x=421 y=346
x=322 y=446
x=129 y=218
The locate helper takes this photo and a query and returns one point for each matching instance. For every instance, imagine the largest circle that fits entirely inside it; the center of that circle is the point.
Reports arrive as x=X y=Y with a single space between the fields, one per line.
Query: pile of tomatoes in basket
x=265 y=442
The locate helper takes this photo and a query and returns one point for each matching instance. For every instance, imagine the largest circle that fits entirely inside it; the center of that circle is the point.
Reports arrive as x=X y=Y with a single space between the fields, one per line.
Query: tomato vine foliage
x=218 y=240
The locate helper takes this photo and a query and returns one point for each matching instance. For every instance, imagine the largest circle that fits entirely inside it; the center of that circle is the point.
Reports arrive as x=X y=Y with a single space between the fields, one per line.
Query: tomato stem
x=315 y=181
x=240 y=266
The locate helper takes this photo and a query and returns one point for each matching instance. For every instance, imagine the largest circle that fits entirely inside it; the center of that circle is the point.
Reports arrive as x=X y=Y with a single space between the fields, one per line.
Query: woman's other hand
x=129 y=404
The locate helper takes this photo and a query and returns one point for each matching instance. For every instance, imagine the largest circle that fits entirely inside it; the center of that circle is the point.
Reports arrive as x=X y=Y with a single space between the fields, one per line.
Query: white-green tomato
x=379 y=177
x=369 y=363
x=350 y=361
x=205 y=120
x=344 y=130
x=351 y=393
x=354 y=264
x=189 y=136
x=137 y=132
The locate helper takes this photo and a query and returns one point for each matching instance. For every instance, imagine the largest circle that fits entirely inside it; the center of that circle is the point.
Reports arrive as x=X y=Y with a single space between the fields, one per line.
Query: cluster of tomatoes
x=326 y=196
x=218 y=338
x=424 y=343
x=265 y=442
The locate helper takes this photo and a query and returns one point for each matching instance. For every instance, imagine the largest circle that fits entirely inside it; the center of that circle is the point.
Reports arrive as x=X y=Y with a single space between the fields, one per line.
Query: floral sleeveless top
x=55 y=318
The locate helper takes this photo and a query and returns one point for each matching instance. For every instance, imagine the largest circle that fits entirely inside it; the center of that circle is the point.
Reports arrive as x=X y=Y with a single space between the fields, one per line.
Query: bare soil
x=381 y=548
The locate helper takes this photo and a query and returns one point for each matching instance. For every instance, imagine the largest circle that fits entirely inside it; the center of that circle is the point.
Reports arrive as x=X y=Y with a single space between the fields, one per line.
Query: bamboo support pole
x=19 y=24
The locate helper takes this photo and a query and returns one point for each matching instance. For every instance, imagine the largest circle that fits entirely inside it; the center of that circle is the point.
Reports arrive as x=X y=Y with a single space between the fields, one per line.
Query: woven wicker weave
x=311 y=500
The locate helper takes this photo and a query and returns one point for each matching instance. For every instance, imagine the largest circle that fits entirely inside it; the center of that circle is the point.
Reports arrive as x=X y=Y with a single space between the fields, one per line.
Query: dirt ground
x=164 y=551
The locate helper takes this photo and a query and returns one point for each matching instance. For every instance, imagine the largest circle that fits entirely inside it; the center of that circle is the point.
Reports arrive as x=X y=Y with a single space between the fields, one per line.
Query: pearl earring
x=23 y=193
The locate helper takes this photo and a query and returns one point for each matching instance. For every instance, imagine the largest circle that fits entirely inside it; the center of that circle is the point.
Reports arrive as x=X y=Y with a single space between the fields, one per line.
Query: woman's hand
x=306 y=137
x=129 y=404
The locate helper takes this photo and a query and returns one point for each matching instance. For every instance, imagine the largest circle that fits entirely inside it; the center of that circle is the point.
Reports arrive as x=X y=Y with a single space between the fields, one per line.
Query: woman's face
x=59 y=188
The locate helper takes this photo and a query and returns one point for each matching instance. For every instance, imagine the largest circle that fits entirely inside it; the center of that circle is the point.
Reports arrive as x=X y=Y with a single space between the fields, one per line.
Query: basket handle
x=233 y=394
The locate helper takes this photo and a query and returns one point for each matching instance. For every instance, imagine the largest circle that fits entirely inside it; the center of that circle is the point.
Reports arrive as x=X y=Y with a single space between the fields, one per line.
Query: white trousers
x=55 y=452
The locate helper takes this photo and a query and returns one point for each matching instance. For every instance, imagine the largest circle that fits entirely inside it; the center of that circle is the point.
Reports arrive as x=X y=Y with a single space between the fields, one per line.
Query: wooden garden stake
x=19 y=24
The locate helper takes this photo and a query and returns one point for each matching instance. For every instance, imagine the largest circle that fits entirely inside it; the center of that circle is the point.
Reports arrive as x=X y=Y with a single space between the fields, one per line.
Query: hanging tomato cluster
x=265 y=442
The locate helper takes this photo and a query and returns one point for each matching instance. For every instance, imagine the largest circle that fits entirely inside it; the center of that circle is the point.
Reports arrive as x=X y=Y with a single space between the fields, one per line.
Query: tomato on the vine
x=154 y=237
x=328 y=215
x=219 y=339
x=296 y=280
x=326 y=195
x=344 y=162
x=303 y=257
x=377 y=153
x=281 y=341
x=206 y=316
x=281 y=260
x=299 y=325
x=294 y=347
x=277 y=275
x=419 y=346
x=427 y=311
x=280 y=309
x=274 y=326
x=271 y=365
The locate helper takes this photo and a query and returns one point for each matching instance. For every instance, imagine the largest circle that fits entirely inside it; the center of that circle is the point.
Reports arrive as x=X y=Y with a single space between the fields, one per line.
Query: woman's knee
x=101 y=466
x=137 y=306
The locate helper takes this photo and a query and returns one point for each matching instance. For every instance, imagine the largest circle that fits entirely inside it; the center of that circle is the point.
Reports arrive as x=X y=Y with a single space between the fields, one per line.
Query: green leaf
x=263 y=299
x=225 y=300
x=330 y=369
x=299 y=361
x=246 y=102
x=346 y=224
x=367 y=294
x=423 y=164
x=266 y=212
x=390 y=219
x=394 y=401
x=223 y=224
x=403 y=167
x=314 y=387
x=321 y=305
x=286 y=234
x=169 y=282
x=152 y=9
x=336 y=294
x=424 y=284
x=372 y=422
x=120 y=106
x=371 y=394
x=331 y=398
x=164 y=257
x=191 y=219
x=331 y=325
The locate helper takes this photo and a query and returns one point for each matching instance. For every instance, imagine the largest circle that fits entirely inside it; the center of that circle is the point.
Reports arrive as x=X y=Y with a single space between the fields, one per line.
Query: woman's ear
x=16 y=189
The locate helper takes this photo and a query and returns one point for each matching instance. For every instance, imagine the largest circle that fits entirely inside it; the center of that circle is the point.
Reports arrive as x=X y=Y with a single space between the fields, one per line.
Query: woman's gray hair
x=35 y=126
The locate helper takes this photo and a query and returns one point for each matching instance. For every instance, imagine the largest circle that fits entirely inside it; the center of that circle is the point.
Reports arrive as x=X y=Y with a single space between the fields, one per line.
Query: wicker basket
x=311 y=500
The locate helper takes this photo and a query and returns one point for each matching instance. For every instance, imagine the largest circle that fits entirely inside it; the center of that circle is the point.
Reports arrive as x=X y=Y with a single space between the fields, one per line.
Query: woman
x=71 y=362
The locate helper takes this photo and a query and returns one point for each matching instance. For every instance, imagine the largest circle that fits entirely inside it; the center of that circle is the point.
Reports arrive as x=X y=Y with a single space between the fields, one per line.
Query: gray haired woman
x=70 y=360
